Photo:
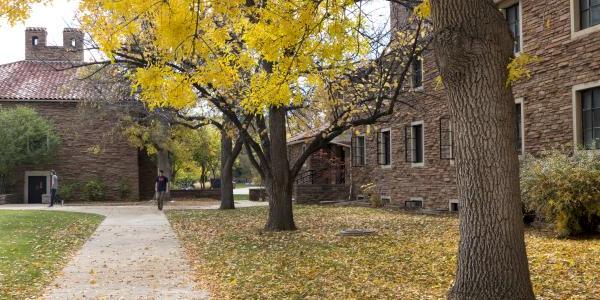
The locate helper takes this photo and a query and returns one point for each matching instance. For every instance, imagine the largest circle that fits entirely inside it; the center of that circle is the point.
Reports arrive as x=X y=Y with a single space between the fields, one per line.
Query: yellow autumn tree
x=258 y=62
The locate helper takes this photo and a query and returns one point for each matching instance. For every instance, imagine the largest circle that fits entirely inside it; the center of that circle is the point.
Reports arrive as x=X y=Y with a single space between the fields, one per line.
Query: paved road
x=134 y=254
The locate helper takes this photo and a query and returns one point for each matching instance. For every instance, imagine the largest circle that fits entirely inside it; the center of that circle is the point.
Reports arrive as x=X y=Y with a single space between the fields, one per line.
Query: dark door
x=36 y=188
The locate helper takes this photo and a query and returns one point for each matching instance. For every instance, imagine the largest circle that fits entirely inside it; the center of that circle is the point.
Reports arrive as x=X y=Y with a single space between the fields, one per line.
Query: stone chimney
x=36 y=48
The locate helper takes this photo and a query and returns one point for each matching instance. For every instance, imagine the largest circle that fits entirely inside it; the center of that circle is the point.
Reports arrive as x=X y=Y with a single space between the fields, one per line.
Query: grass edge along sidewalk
x=36 y=245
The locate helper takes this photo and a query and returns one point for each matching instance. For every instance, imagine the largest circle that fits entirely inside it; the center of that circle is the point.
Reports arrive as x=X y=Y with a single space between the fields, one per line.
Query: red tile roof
x=40 y=80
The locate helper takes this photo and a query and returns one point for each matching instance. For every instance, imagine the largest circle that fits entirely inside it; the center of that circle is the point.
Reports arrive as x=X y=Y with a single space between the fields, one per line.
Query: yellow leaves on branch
x=15 y=11
x=161 y=87
x=518 y=68
x=225 y=44
x=423 y=10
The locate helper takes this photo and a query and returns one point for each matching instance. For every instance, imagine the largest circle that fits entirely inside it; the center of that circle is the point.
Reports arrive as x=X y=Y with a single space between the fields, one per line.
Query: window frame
x=413 y=75
x=577 y=113
x=413 y=142
x=595 y=140
x=381 y=147
x=415 y=199
x=385 y=199
x=354 y=147
x=518 y=47
x=449 y=147
x=576 y=29
x=451 y=202
x=521 y=113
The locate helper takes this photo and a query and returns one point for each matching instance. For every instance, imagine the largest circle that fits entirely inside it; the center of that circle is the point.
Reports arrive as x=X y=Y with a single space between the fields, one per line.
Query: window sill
x=584 y=32
x=417 y=165
x=386 y=167
x=417 y=89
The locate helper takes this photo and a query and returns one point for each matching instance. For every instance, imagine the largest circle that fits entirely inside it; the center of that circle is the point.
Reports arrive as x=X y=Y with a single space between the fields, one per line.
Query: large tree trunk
x=227 y=160
x=278 y=183
x=473 y=47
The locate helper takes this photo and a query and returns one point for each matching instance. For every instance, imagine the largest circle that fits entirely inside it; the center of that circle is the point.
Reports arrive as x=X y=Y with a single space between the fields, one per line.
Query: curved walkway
x=134 y=254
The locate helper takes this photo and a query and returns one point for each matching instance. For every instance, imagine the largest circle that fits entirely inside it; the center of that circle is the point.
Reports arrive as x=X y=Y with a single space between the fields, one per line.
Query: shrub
x=184 y=182
x=375 y=201
x=94 y=190
x=124 y=189
x=67 y=190
x=370 y=190
x=563 y=189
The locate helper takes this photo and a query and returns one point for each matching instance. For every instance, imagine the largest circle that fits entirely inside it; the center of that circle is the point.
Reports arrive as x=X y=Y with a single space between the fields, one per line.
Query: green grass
x=241 y=197
x=411 y=257
x=35 y=245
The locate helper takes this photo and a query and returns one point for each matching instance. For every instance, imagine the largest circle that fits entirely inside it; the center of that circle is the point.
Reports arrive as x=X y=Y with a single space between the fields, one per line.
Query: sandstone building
x=411 y=159
x=91 y=148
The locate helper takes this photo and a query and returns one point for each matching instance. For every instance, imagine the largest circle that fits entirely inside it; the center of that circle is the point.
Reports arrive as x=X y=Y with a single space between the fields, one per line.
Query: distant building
x=92 y=148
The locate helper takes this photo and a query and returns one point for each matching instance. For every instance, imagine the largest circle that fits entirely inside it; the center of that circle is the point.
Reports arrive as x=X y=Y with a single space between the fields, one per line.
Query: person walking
x=53 y=187
x=161 y=188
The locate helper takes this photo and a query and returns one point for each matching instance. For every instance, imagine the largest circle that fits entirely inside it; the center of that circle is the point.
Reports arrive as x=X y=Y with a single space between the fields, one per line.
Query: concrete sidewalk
x=134 y=254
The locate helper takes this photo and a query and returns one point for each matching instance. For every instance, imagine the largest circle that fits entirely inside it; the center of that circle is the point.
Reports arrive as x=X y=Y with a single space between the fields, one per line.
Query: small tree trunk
x=227 y=200
x=203 y=177
x=278 y=184
x=473 y=47
x=2 y=184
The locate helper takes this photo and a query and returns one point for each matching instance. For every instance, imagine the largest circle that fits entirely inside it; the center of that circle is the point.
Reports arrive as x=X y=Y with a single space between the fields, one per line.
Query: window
x=73 y=43
x=519 y=126
x=513 y=18
x=589 y=13
x=358 y=151
x=384 y=147
x=417 y=73
x=385 y=200
x=446 y=139
x=414 y=143
x=414 y=202
x=34 y=41
x=453 y=205
x=590 y=118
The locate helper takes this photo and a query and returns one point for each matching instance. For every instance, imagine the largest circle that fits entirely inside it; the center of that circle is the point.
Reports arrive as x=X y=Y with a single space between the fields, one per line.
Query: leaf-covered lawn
x=411 y=257
x=35 y=245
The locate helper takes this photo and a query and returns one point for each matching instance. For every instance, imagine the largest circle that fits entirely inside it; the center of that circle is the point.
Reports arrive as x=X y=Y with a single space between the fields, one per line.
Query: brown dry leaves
x=412 y=256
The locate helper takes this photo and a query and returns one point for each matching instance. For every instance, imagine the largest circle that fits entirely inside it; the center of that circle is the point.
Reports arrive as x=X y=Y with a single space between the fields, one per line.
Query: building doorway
x=36 y=188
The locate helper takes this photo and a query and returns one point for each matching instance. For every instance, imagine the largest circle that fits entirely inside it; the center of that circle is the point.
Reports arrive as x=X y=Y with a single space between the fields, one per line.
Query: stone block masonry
x=92 y=148
x=315 y=193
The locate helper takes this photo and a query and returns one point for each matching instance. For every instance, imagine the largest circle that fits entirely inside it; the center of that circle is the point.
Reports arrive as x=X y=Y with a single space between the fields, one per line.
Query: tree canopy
x=26 y=138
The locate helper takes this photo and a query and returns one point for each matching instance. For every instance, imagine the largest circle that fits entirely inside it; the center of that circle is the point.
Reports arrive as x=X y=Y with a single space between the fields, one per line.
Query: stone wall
x=315 y=193
x=92 y=148
x=547 y=108
x=148 y=173
x=8 y=199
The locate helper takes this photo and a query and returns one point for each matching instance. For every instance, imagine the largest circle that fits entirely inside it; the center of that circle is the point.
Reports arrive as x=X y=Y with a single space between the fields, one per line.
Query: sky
x=61 y=13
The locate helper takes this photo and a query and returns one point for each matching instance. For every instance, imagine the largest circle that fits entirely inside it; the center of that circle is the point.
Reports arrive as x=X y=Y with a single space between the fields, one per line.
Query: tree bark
x=278 y=184
x=227 y=160
x=473 y=47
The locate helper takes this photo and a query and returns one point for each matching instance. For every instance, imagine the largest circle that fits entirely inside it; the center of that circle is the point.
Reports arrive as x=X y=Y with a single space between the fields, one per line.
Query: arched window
x=34 y=40
x=72 y=42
